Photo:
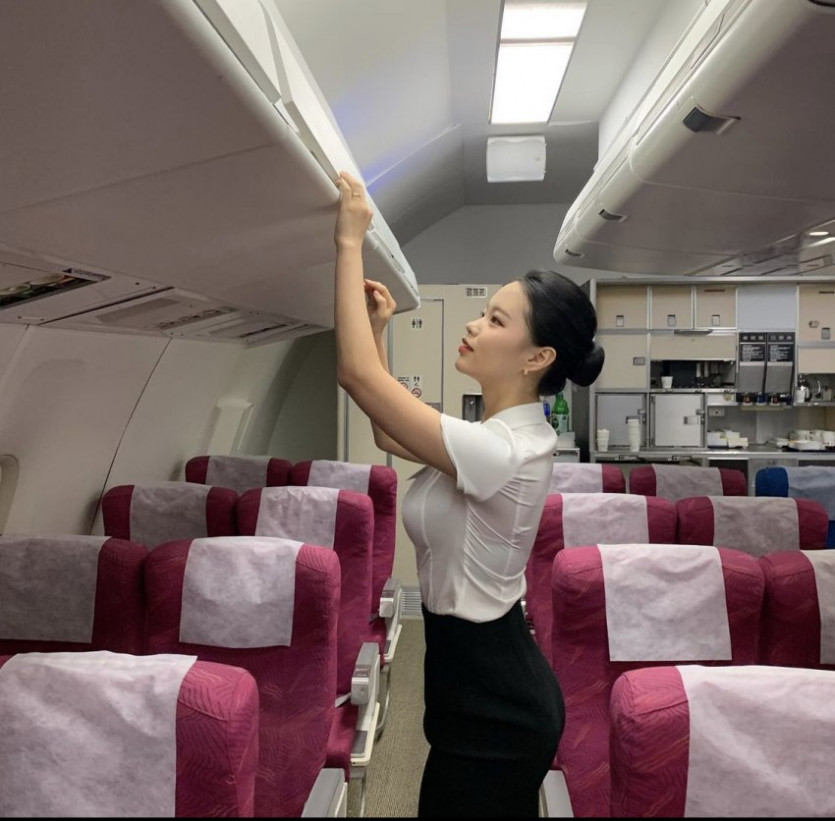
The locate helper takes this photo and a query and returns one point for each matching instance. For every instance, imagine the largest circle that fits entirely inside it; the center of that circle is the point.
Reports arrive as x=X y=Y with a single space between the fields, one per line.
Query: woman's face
x=497 y=344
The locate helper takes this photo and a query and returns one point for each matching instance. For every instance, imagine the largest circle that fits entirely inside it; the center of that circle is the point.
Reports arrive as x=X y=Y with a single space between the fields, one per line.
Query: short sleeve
x=483 y=454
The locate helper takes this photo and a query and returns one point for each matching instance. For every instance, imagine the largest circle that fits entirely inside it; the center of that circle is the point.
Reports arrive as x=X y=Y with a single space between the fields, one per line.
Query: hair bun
x=588 y=369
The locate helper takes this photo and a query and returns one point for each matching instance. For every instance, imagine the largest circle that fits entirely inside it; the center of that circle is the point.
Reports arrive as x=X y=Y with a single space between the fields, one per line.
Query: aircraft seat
x=71 y=593
x=676 y=482
x=342 y=521
x=815 y=482
x=619 y=607
x=240 y=473
x=189 y=748
x=270 y=606
x=380 y=483
x=798 y=625
x=722 y=742
x=586 y=477
x=160 y=512
x=572 y=519
x=758 y=525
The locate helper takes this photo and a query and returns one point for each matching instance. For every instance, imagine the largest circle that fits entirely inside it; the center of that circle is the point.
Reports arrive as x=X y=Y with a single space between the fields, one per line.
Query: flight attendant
x=493 y=707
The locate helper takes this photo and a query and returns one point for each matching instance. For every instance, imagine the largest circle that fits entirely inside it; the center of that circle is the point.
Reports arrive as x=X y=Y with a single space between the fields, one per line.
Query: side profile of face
x=498 y=344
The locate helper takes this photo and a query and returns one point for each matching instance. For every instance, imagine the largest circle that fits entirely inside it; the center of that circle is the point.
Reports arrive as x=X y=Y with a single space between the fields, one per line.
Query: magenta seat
x=152 y=514
x=751 y=741
x=380 y=483
x=343 y=521
x=586 y=477
x=296 y=680
x=676 y=482
x=71 y=593
x=584 y=628
x=626 y=517
x=795 y=630
x=756 y=524
x=215 y=729
x=240 y=473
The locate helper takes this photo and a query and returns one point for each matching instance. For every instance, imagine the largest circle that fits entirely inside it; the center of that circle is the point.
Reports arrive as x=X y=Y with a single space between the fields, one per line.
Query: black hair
x=561 y=316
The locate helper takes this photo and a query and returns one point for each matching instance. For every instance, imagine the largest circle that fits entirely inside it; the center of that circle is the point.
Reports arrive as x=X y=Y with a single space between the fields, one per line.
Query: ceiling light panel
x=535 y=45
x=525 y=20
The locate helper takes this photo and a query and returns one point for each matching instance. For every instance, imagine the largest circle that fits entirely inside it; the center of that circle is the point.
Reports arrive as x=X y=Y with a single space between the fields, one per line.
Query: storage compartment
x=625 y=365
x=613 y=409
x=715 y=306
x=672 y=306
x=677 y=420
x=621 y=306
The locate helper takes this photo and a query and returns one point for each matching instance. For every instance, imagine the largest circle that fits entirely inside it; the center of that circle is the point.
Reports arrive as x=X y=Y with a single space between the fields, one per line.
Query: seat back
x=813 y=482
x=189 y=748
x=754 y=524
x=621 y=607
x=269 y=606
x=722 y=742
x=676 y=482
x=380 y=483
x=581 y=519
x=341 y=520
x=152 y=514
x=71 y=593
x=586 y=477
x=798 y=624
x=240 y=473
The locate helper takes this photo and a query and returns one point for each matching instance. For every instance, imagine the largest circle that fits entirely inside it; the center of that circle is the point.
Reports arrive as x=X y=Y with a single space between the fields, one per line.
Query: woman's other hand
x=354 y=214
x=380 y=303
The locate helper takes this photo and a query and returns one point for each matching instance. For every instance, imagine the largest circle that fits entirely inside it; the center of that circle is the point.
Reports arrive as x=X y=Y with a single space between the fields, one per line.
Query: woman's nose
x=471 y=326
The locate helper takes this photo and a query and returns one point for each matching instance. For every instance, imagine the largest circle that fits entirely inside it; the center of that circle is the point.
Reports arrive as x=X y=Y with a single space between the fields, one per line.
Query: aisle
x=393 y=778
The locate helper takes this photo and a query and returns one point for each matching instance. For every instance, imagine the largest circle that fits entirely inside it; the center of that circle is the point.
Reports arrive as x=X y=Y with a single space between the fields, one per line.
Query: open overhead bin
x=727 y=154
x=177 y=144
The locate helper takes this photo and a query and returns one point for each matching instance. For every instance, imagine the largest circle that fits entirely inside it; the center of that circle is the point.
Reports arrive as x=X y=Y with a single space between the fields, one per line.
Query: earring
x=524 y=371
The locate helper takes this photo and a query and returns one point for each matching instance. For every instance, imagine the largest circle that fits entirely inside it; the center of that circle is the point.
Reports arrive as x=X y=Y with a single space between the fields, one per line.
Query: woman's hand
x=354 y=214
x=380 y=304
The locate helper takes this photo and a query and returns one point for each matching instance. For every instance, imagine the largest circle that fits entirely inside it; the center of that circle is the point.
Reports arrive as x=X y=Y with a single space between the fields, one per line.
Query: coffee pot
x=803 y=385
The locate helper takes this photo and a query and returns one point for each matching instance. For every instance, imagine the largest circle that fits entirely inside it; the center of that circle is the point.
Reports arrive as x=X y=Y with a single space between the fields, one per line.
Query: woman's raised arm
x=412 y=424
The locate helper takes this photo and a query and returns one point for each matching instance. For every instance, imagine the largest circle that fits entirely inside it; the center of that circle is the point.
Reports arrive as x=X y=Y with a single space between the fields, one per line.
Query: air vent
x=607 y=215
x=410 y=603
x=477 y=292
x=699 y=120
x=200 y=316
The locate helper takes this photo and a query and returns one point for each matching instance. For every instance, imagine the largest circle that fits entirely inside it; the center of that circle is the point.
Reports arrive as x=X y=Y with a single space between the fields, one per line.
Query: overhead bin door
x=145 y=145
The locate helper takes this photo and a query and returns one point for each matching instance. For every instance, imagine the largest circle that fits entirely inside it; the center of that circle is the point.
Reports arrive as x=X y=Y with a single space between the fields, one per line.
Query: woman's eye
x=495 y=319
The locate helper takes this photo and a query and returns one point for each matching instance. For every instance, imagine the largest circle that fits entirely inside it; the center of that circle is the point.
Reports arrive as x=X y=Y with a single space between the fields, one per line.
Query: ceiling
x=409 y=84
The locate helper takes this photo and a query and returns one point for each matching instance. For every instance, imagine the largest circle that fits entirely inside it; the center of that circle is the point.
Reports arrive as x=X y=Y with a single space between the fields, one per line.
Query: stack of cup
x=633 y=426
x=602 y=439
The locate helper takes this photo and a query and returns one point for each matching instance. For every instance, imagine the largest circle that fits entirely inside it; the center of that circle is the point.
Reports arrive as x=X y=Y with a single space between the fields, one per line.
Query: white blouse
x=473 y=539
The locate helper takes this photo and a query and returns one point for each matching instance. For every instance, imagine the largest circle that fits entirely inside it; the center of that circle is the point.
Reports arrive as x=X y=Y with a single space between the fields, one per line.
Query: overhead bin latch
x=699 y=120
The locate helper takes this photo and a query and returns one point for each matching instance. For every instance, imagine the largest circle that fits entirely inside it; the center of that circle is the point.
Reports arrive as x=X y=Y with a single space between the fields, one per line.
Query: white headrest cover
x=239 y=591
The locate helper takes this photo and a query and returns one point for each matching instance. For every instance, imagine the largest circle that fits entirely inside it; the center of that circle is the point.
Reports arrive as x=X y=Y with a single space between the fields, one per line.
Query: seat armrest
x=365 y=686
x=554 y=800
x=390 y=599
x=329 y=795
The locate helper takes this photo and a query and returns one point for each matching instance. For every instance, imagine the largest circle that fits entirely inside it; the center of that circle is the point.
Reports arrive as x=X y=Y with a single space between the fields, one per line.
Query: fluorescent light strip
x=535 y=46
x=538 y=21
x=528 y=78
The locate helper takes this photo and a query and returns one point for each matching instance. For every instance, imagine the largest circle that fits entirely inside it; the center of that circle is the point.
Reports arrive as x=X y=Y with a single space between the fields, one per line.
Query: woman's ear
x=541 y=359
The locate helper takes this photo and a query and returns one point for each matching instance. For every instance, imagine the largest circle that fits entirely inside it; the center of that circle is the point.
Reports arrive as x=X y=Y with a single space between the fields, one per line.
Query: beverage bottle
x=559 y=415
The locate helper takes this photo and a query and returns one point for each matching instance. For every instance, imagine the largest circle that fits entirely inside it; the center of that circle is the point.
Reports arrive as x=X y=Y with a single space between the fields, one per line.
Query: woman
x=493 y=708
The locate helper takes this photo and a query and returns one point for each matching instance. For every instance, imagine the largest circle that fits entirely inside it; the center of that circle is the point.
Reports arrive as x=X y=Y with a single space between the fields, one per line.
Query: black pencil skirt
x=493 y=718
